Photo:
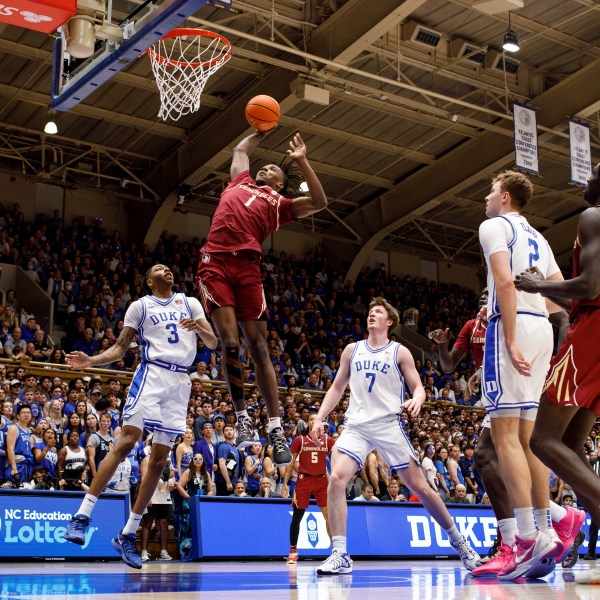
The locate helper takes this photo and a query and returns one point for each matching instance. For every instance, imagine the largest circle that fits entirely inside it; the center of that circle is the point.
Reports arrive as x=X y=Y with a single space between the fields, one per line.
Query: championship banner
x=581 y=155
x=526 y=142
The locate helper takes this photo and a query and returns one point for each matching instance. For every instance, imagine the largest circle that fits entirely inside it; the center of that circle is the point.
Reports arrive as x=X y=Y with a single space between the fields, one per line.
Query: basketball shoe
x=568 y=528
x=570 y=560
x=76 y=529
x=493 y=566
x=469 y=557
x=337 y=563
x=591 y=577
x=125 y=545
x=246 y=433
x=527 y=554
x=292 y=558
x=282 y=455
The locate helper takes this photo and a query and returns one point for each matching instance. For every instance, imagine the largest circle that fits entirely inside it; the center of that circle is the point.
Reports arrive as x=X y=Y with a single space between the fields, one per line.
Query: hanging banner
x=581 y=155
x=526 y=142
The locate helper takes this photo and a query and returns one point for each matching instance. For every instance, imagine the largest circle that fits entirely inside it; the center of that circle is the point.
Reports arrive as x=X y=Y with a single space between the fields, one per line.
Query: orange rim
x=183 y=32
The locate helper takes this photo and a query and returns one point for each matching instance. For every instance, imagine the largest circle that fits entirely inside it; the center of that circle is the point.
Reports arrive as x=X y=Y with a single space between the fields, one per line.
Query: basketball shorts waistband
x=167 y=365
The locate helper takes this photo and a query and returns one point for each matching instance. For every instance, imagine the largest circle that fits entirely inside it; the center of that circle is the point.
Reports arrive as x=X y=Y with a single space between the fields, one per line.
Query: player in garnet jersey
x=312 y=479
x=229 y=271
x=571 y=401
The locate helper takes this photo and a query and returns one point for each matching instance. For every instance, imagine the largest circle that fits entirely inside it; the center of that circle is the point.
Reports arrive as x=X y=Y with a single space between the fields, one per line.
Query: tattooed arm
x=80 y=360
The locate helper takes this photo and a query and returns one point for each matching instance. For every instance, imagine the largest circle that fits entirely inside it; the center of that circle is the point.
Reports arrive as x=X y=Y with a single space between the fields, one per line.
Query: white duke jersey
x=376 y=383
x=526 y=248
x=157 y=322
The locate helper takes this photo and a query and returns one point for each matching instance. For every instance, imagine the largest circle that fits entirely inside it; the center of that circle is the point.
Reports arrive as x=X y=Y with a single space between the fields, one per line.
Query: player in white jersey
x=167 y=325
x=518 y=347
x=376 y=370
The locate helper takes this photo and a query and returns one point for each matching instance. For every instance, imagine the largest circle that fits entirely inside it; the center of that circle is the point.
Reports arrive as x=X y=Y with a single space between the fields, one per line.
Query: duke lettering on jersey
x=371 y=365
x=166 y=317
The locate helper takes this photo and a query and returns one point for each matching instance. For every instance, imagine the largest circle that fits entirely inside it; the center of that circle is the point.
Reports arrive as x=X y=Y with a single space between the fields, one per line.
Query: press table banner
x=526 y=142
x=581 y=155
x=259 y=528
x=32 y=523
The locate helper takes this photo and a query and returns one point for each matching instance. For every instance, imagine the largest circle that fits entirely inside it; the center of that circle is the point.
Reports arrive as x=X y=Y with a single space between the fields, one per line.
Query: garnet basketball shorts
x=307 y=485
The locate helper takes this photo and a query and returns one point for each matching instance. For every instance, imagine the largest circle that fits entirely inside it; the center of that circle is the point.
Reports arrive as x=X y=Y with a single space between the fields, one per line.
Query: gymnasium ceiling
x=405 y=148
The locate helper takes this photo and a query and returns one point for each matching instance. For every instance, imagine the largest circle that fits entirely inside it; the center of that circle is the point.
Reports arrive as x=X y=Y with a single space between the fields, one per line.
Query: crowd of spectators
x=313 y=314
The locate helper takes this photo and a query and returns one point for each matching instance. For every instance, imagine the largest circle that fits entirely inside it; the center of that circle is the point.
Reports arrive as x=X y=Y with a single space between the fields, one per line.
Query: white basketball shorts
x=503 y=388
x=158 y=400
x=386 y=436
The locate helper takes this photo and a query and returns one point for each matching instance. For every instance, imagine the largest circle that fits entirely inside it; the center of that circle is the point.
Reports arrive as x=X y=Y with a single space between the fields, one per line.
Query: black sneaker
x=281 y=452
x=246 y=434
x=572 y=556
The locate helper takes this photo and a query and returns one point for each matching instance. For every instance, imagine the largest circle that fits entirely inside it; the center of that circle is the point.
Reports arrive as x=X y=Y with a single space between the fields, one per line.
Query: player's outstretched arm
x=587 y=283
x=241 y=153
x=80 y=360
x=306 y=205
x=334 y=393
x=448 y=360
x=406 y=363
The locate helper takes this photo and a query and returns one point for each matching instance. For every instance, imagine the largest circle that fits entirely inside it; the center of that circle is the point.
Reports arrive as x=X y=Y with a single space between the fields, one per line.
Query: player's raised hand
x=78 y=360
x=439 y=336
x=317 y=431
x=518 y=360
x=298 y=148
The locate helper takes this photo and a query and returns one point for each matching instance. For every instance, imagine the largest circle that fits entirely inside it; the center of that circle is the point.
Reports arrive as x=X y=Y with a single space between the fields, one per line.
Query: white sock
x=453 y=534
x=132 y=524
x=557 y=512
x=87 y=505
x=242 y=414
x=274 y=423
x=525 y=523
x=542 y=518
x=508 y=529
x=339 y=543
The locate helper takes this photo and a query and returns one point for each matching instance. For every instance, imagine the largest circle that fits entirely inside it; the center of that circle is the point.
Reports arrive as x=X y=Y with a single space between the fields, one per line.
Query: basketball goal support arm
x=102 y=67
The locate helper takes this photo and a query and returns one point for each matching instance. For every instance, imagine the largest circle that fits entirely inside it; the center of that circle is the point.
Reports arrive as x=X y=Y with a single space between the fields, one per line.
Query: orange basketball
x=262 y=112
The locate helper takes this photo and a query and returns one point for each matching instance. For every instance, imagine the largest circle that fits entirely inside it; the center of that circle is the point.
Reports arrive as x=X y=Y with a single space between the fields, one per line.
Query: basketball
x=262 y=113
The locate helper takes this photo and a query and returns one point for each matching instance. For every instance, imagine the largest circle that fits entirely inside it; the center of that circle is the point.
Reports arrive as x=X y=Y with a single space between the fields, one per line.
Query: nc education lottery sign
x=526 y=142
x=581 y=156
x=32 y=524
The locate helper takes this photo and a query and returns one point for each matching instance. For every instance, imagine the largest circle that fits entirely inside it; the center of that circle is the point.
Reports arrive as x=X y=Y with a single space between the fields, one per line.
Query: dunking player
x=518 y=347
x=229 y=271
x=377 y=369
x=472 y=338
x=312 y=479
x=166 y=324
x=571 y=402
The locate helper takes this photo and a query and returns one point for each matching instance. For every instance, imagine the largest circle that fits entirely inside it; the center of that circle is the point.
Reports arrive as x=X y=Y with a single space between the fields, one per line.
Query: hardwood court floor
x=376 y=580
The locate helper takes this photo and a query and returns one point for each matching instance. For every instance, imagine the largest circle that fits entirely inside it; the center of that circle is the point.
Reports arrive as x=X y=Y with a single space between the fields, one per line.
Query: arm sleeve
x=133 y=316
x=296 y=445
x=494 y=236
x=285 y=211
x=240 y=178
x=463 y=341
x=93 y=441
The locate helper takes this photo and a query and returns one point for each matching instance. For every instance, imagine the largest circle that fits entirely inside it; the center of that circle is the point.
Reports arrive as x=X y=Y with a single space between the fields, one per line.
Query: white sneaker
x=337 y=563
x=164 y=555
x=590 y=577
x=469 y=557
x=145 y=556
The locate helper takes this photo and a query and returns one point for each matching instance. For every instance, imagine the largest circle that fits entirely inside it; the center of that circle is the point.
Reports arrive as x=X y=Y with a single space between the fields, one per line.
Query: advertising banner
x=526 y=142
x=581 y=154
x=32 y=523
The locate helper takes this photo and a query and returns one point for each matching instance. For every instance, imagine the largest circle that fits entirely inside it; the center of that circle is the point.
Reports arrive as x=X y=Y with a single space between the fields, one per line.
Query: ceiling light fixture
x=511 y=41
x=50 y=127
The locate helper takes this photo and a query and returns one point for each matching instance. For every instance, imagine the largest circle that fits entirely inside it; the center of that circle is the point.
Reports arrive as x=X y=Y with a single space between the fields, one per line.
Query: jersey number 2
x=535 y=252
x=174 y=337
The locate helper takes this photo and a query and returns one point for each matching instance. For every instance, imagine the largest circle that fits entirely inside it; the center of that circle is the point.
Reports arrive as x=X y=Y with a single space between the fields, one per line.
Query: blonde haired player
x=377 y=369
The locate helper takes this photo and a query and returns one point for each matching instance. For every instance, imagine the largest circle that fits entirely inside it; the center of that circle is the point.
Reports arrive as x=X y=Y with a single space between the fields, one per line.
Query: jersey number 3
x=174 y=337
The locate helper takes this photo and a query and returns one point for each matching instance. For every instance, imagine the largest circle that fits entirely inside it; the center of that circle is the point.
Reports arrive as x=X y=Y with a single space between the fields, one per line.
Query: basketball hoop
x=182 y=61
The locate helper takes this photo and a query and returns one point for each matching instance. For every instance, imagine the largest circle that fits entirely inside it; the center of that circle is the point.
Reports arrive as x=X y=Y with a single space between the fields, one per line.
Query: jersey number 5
x=174 y=337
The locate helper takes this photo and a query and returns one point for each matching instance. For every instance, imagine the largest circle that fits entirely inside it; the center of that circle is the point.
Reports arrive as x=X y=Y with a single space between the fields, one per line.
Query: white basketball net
x=182 y=64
